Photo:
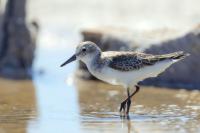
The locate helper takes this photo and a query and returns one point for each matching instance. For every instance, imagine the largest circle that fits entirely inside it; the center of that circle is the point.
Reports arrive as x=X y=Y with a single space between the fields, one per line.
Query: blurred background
x=37 y=96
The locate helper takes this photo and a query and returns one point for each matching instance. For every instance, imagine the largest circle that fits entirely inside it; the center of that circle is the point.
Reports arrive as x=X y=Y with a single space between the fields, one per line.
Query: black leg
x=128 y=100
x=137 y=89
x=123 y=106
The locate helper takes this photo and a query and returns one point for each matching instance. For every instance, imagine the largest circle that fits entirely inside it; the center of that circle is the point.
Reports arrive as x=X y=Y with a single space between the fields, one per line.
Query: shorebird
x=122 y=67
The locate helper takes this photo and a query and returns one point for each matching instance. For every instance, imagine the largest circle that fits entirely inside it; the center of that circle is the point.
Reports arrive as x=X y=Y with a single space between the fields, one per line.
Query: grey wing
x=131 y=61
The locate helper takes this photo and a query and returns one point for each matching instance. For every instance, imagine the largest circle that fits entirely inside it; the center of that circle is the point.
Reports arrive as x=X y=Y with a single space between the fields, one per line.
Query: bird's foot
x=125 y=107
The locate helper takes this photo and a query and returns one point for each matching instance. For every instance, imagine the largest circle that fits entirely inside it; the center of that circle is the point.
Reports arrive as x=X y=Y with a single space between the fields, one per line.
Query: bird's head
x=85 y=52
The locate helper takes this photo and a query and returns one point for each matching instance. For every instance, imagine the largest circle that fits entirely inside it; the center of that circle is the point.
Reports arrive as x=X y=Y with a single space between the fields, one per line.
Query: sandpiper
x=122 y=67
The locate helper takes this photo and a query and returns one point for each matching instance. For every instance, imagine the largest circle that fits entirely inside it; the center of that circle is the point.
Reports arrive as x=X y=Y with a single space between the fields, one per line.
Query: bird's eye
x=84 y=49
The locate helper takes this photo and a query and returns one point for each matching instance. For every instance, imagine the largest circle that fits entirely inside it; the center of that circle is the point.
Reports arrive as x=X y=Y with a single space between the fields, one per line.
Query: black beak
x=73 y=58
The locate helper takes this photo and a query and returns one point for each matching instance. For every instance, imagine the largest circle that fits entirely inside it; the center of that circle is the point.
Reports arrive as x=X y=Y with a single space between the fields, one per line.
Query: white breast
x=130 y=78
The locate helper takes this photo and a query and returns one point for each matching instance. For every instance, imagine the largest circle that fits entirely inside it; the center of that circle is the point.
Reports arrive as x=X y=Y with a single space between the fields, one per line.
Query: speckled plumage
x=123 y=68
x=128 y=61
x=110 y=66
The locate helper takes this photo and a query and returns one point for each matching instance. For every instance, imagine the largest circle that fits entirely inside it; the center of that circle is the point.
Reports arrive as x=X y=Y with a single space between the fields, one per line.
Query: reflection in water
x=56 y=99
x=129 y=124
x=96 y=110
x=17 y=105
x=153 y=110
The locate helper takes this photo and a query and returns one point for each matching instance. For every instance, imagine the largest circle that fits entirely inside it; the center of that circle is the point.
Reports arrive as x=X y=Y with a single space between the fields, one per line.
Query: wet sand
x=92 y=107
x=153 y=109
x=17 y=105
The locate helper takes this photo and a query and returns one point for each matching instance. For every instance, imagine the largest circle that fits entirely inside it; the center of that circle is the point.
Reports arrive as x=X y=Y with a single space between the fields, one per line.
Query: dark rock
x=183 y=74
x=17 y=45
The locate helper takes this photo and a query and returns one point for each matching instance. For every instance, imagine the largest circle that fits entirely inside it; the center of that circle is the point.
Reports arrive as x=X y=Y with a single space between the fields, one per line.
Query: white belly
x=130 y=78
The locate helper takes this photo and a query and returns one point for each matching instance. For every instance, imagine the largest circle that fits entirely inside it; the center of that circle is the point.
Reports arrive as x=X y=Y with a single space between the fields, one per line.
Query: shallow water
x=17 y=105
x=153 y=109
x=55 y=101
x=92 y=107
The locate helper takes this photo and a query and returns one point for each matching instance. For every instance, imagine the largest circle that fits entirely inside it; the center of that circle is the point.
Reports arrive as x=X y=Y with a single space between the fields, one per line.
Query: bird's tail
x=174 y=56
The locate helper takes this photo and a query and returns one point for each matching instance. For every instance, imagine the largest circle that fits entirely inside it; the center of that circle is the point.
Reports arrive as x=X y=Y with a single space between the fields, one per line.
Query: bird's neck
x=94 y=60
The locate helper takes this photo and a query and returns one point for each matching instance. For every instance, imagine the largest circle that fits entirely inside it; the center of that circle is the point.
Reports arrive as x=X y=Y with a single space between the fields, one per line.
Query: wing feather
x=128 y=61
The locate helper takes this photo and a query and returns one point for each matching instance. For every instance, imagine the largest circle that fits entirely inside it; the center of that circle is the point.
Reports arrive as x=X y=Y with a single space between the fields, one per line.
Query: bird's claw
x=125 y=106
